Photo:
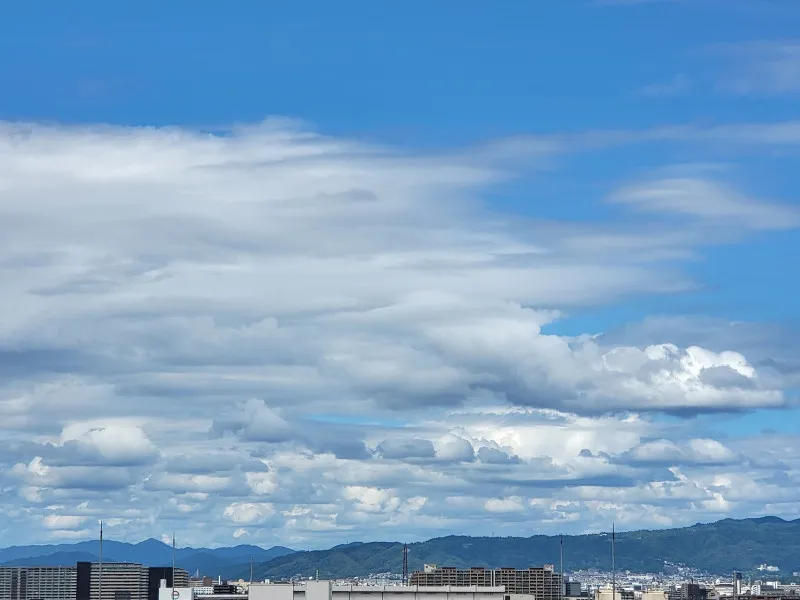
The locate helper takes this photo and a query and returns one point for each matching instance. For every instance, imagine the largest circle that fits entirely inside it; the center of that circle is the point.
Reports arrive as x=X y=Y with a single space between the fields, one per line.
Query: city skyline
x=307 y=273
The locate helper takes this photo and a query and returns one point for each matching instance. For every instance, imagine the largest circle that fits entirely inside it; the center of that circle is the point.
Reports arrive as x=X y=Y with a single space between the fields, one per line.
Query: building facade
x=542 y=582
x=120 y=581
x=572 y=589
x=325 y=590
x=37 y=583
x=693 y=591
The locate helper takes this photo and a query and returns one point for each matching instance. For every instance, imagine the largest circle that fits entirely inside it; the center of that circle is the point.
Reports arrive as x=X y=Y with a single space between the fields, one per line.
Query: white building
x=605 y=594
x=168 y=593
x=203 y=590
x=325 y=590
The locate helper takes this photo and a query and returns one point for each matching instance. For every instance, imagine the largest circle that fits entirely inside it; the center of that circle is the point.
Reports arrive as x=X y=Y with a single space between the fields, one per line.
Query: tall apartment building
x=543 y=582
x=37 y=583
x=121 y=581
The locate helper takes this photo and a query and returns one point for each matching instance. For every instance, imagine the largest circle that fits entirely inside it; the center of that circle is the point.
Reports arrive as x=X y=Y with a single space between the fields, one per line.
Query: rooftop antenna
x=251 y=569
x=613 y=564
x=173 y=560
x=100 y=564
x=405 y=564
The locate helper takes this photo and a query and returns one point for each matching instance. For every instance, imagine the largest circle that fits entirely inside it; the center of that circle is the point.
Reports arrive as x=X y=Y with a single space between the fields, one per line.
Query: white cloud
x=63 y=521
x=677 y=85
x=249 y=513
x=695 y=451
x=504 y=505
x=762 y=67
x=302 y=339
x=372 y=500
x=110 y=443
x=708 y=200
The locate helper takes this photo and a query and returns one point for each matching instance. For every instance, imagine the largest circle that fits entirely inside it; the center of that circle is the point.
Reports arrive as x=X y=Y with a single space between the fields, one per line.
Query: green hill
x=716 y=547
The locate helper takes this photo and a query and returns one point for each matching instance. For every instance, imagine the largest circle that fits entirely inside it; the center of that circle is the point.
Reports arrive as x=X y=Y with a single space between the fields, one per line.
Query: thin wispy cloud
x=707 y=200
x=631 y=2
x=679 y=84
x=760 y=67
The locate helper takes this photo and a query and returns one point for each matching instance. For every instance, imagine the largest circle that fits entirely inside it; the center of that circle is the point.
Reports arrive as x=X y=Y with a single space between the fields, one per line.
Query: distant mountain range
x=719 y=548
x=213 y=562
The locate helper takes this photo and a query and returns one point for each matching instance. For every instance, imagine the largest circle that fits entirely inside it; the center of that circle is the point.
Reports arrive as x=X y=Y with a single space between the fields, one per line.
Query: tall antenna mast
x=405 y=564
x=173 y=560
x=561 y=556
x=613 y=564
x=251 y=569
x=100 y=564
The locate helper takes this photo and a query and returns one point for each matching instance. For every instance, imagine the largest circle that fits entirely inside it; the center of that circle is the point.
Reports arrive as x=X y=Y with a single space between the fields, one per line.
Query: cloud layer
x=277 y=336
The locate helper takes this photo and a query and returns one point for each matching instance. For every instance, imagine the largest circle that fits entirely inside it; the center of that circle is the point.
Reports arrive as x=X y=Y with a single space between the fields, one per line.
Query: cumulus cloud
x=406 y=448
x=505 y=505
x=695 y=451
x=114 y=444
x=63 y=521
x=249 y=513
x=275 y=334
x=455 y=448
x=256 y=422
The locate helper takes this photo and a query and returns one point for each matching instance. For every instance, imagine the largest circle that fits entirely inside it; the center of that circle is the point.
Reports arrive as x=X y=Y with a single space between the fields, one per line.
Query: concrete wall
x=272 y=591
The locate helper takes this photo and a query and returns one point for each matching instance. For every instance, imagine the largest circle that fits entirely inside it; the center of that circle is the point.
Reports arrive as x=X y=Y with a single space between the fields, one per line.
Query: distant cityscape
x=133 y=581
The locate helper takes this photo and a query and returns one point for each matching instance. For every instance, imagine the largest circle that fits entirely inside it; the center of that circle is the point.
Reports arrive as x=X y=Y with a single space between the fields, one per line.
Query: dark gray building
x=120 y=581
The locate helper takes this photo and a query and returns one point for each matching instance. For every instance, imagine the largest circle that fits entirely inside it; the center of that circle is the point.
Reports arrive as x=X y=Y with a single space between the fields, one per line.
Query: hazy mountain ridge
x=717 y=547
x=216 y=561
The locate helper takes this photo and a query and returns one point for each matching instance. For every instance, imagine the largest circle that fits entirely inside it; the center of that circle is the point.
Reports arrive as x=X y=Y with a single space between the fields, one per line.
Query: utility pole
x=251 y=569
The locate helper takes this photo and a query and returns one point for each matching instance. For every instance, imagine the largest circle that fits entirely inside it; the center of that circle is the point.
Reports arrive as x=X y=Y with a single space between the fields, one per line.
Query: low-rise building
x=325 y=590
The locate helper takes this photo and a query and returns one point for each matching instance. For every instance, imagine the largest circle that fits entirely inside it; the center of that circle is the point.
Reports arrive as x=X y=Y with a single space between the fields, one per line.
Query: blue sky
x=362 y=251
